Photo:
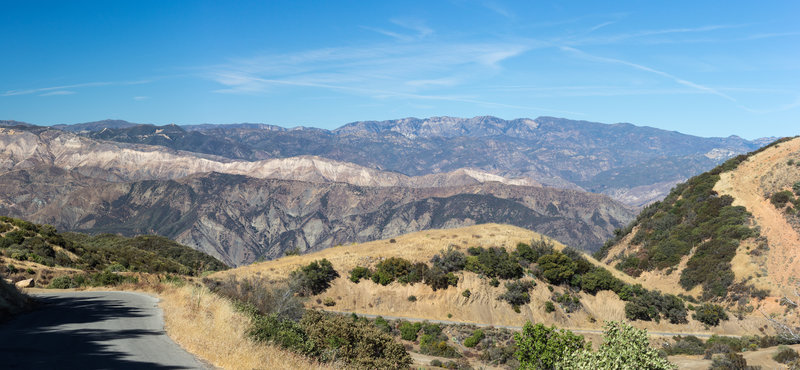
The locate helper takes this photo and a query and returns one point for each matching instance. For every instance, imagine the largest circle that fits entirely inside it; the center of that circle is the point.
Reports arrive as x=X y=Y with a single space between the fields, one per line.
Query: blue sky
x=703 y=68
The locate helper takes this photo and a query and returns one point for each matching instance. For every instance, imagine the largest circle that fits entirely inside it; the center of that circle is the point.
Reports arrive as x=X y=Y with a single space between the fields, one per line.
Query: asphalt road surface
x=92 y=330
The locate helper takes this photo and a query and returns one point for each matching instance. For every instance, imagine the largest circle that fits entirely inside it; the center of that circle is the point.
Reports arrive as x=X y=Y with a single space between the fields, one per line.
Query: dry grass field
x=209 y=327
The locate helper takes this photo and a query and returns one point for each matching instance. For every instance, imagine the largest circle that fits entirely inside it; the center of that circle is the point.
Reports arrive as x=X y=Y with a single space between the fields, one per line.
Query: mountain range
x=247 y=191
x=239 y=210
x=635 y=165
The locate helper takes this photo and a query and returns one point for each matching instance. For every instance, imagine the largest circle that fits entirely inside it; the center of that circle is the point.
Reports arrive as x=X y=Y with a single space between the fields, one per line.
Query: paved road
x=517 y=328
x=92 y=330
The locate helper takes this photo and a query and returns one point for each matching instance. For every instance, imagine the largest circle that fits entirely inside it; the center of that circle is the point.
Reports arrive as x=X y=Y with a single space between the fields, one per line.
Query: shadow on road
x=73 y=333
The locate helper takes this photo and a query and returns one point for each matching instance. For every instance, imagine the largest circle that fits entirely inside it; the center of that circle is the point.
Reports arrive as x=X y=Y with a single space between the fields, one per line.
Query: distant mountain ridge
x=633 y=164
x=239 y=210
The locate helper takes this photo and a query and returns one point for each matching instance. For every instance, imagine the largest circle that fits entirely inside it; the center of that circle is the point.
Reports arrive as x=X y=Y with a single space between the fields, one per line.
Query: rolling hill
x=483 y=305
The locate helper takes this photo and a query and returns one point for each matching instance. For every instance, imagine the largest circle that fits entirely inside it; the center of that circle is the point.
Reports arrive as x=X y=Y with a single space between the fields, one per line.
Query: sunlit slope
x=482 y=306
x=719 y=235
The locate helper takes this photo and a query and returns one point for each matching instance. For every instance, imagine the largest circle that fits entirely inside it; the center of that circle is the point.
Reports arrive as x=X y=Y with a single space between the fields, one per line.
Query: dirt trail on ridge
x=744 y=184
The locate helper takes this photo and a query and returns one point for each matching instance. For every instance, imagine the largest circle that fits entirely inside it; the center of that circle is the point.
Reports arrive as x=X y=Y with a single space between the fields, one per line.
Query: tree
x=624 y=347
x=710 y=314
x=540 y=347
x=313 y=278
x=557 y=267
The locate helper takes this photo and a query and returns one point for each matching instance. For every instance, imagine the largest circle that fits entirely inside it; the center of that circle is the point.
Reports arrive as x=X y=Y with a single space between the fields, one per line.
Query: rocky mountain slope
x=727 y=234
x=242 y=210
x=636 y=165
x=22 y=147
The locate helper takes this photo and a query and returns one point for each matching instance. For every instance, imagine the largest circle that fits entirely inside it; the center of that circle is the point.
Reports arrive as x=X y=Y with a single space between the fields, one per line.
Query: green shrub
x=727 y=361
x=549 y=307
x=392 y=268
x=62 y=282
x=382 y=324
x=796 y=188
x=412 y=298
x=734 y=344
x=466 y=293
x=570 y=302
x=328 y=301
x=540 y=347
x=313 y=278
x=284 y=333
x=785 y=355
x=436 y=346
x=408 y=331
x=624 y=347
x=516 y=293
x=474 y=339
x=431 y=329
x=436 y=362
x=493 y=262
x=780 y=198
x=449 y=260
x=556 y=267
x=357 y=343
x=688 y=345
x=710 y=314
x=358 y=273
x=494 y=282
x=437 y=279
x=600 y=279
x=648 y=305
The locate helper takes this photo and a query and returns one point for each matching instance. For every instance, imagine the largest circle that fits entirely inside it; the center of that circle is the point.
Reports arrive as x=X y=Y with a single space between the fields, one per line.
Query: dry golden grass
x=209 y=327
x=481 y=307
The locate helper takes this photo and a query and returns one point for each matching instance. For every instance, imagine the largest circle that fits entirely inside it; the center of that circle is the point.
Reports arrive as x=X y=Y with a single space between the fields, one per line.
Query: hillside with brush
x=46 y=257
x=490 y=274
x=729 y=235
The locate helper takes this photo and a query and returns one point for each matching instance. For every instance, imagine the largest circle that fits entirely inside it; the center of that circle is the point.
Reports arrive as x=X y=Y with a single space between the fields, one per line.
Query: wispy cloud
x=415 y=25
x=58 y=92
x=384 y=32
x=404 y=68
x=498 y=8
x=640 y=67
x=645 y=35
x=52 y=90
x=760 y=36
x=418 y=27
x=599 y=26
